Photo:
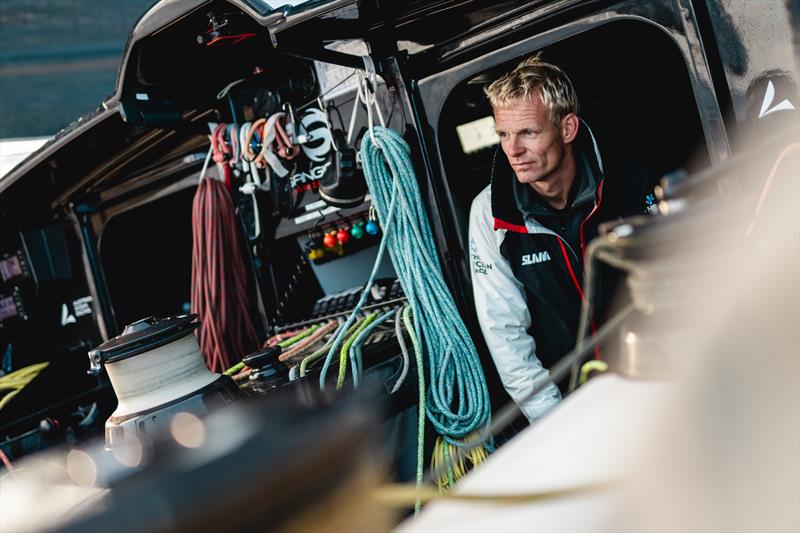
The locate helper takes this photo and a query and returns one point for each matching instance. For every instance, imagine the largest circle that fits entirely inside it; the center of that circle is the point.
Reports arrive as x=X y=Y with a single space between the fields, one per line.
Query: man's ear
x=569 y=127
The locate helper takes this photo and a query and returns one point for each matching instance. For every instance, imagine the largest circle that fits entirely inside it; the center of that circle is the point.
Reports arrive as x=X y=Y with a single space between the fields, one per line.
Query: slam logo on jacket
x=535 y=258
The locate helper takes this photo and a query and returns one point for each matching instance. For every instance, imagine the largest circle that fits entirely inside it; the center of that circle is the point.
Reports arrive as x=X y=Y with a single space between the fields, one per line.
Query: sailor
x=528 y=229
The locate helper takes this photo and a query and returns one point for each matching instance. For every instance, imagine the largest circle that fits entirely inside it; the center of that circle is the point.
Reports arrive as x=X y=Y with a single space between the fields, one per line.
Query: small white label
x=315 y=206
x=478 y=265
x=315 y=214
x=82 y=306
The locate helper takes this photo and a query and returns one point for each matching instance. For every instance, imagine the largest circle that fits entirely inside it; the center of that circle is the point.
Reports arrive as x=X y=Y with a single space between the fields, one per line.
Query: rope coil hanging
x=458 y=399
x=219 y=278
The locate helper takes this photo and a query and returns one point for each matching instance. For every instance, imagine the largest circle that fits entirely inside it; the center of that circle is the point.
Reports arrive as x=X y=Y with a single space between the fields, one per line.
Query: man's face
x=533 y=144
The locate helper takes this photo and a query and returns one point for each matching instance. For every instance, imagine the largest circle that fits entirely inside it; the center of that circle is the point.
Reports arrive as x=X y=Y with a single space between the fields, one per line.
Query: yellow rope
x=18 y=380
x=592 y=366
x=344 y=352
x=324 y=349
x=451 y=473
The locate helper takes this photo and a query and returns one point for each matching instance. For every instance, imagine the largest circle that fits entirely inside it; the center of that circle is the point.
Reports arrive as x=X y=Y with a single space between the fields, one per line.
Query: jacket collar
x=505 y=212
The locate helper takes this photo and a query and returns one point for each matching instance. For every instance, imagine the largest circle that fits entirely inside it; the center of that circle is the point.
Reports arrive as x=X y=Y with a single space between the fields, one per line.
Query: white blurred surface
x=593 y=437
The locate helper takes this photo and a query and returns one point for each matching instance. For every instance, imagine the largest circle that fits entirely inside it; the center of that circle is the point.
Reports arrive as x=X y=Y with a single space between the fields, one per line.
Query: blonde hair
x=553 y=86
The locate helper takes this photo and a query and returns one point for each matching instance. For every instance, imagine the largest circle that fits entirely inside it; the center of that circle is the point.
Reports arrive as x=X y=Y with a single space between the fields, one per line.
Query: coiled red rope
x=219 y=279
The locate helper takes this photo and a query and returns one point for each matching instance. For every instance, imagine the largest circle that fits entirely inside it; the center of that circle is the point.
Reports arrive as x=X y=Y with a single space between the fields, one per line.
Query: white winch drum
x=159 y=376
x=153 y=363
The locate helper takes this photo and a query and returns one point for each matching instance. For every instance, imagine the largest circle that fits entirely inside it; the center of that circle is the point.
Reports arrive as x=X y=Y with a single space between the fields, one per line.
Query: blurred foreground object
x=726 y=455
x=246 y=467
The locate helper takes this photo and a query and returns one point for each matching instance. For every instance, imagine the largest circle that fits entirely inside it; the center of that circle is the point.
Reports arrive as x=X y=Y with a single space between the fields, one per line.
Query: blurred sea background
x=59 y=60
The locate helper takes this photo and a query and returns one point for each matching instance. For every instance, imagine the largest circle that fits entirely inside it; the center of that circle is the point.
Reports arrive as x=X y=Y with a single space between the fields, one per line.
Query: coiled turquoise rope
x=458 y=399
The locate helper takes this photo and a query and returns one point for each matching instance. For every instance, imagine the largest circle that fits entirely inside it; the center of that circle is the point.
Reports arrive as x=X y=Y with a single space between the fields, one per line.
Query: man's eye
x=528 y=133
x=502 y=134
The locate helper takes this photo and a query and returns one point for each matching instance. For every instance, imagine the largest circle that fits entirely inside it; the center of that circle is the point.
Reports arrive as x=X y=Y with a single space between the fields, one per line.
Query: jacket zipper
x=592 y=212
x=598 y=355
x=572 y=275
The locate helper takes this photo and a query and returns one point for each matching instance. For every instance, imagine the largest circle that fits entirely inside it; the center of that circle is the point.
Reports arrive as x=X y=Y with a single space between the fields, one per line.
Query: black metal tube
x=89 y=241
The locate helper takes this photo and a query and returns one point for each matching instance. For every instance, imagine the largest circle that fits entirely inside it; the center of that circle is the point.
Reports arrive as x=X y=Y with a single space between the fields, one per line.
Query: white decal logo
x=66 y=316
x=478 y=266
x=314 y=174
x=82 y=306
x=769 y=96
x=535 y=258
x=315 y=124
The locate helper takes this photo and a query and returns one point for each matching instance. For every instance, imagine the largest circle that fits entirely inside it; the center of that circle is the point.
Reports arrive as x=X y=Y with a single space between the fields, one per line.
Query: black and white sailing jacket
x=527 y=276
